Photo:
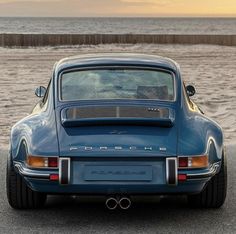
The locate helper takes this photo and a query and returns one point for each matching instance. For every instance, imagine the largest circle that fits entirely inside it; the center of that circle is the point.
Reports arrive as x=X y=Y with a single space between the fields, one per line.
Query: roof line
x=119 y=55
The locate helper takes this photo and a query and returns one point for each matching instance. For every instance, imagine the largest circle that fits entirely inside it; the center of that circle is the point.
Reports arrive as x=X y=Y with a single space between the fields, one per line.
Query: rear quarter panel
x=198 y=134
x=37 y=132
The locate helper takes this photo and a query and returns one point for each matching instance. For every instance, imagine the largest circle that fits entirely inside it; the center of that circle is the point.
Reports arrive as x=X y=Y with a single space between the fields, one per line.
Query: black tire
x=19 y=195
x=214 y=194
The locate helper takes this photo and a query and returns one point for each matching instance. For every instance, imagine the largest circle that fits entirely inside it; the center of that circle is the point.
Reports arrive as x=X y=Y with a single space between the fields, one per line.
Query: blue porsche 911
x=119 y=126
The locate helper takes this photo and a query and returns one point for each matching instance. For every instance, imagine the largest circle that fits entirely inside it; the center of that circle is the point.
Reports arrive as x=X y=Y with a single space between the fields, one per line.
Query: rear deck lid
x=117 y=131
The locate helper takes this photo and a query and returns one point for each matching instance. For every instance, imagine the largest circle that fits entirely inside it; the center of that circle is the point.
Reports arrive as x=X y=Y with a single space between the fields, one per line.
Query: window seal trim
x=87 y=68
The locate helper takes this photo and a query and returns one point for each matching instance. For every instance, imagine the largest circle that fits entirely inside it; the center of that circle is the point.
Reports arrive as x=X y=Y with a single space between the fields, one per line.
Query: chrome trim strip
x=60 y=169
x=212 y=171
x=167 y=171
x=69 y=170
x=23 y=171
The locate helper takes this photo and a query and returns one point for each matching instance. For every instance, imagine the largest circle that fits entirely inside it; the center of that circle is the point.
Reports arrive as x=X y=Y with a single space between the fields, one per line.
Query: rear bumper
x=207 y=174
x=39 y=180
x=30 y=173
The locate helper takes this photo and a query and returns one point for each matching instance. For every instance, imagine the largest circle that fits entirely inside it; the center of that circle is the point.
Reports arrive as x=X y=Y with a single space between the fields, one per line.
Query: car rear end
x=117 y=125
x=118 y=133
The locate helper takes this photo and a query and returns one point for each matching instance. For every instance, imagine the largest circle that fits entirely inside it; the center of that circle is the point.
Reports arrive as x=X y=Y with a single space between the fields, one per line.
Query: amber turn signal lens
x=34 y=161
x=198 y=162
x=42 y=162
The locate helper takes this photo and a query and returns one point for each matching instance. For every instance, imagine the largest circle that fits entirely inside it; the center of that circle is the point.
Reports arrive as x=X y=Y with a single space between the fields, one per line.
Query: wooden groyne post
x=34 y=40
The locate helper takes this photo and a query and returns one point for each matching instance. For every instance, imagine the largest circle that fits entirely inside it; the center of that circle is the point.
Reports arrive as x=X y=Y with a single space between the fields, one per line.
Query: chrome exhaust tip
x=125 y=203
x=111 y=203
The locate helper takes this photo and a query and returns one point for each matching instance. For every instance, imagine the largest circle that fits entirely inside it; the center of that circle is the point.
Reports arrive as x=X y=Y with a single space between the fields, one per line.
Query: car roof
x=129 y=59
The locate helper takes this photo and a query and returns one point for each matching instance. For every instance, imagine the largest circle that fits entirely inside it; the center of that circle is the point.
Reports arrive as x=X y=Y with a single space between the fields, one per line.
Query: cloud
x=151 y=2
x=85 y=2
x=12 y=1
x=68 y=7
x=89 y=8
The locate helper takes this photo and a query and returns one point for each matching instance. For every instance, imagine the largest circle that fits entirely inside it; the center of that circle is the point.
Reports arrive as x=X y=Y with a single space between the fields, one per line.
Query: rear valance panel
x=116 y=115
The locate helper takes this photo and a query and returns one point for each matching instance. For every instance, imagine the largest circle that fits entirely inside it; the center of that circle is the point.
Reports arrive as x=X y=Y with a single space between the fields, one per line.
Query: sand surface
x=212 y=69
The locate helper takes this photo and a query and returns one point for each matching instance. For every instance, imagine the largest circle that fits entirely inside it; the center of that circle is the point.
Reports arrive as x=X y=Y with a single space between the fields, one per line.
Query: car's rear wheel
x=19 y=195
x=214 y=194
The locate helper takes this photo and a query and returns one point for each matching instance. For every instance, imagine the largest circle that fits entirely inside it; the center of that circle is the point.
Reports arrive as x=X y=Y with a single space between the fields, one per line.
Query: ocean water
x=119 y=25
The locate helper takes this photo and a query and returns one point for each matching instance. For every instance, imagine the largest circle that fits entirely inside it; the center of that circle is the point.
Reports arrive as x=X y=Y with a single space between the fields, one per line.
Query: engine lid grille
x=95 y=115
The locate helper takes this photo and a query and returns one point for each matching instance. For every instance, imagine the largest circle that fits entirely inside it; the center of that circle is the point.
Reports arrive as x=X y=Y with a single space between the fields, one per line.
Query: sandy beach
x=210 y=68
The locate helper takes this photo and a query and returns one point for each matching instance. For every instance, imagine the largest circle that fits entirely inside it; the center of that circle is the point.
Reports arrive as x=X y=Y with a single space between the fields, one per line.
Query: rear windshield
x=117 y=83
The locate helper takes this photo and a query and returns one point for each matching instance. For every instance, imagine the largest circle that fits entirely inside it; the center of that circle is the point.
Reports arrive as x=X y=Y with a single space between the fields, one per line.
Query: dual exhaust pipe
x=112 y=203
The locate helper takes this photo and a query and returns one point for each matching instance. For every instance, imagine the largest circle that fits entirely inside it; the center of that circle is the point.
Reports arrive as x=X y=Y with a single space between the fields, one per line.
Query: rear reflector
x=54 y=177
x=182 y=177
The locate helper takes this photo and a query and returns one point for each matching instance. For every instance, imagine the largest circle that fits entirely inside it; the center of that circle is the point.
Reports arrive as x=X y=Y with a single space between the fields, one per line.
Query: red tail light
x=53 y=162
x=183 y=162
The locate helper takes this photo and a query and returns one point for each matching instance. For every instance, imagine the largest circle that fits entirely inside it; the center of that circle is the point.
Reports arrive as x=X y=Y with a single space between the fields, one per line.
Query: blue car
x=119 y=126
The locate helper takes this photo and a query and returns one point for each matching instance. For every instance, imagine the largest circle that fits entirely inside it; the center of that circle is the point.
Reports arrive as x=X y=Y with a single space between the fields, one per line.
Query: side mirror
x=40 y=91
x=190 y=90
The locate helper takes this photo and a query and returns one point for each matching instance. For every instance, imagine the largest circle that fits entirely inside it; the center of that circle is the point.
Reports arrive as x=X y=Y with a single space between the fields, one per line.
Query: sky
x=118 y=8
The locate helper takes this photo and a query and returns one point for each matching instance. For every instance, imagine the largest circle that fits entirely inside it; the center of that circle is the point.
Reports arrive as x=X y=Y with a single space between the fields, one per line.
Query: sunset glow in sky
x=116 y=8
